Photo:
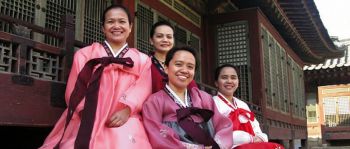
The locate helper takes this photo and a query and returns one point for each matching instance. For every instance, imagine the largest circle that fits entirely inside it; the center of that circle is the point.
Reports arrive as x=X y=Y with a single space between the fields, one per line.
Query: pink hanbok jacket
x=160 y=108
x=119 y=87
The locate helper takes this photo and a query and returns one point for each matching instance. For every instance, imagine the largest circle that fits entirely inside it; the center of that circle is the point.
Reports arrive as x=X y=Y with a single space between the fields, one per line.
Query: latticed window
x=144 y=25
x=182 y=9
x=275 y=73
x=92 y=20
x=337 y=111
x=297 y=90
x=233 y=49
x=180 y=36
x=161 y=18
x=47 y=13
x=146 y=17
x=294 y=90
x=344 y=110
x=330 y=111
x=8 y=58
x=55 y=9
x=267 y=76
x=311 y=113
x=195 y=43
x=19 y=9
x=285 y=81
x=302 y=93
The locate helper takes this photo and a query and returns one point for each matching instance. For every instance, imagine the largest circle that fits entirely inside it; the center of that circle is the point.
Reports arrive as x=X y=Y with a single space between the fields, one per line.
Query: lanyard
x=177 y=99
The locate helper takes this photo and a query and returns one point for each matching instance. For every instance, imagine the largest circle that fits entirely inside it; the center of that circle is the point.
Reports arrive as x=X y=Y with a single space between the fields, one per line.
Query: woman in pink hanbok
x=107 y=86
x=246 y=131
x=177 y=117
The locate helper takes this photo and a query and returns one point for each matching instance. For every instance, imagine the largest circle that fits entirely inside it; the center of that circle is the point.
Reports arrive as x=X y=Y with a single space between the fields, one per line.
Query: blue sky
x=335 y=15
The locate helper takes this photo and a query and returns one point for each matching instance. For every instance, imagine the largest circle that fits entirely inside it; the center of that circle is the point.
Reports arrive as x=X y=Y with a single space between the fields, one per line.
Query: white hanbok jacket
x=239 y=137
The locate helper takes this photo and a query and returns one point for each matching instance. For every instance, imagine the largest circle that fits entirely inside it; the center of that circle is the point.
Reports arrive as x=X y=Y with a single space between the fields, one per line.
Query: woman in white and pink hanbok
x=245 y=129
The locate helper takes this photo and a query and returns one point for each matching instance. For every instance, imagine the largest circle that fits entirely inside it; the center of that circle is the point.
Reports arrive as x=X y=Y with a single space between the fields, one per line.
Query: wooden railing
x=34 y=74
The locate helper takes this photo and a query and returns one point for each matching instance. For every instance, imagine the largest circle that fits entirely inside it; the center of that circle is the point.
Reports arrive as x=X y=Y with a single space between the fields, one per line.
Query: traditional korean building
x=328 y=99
x=269 y=41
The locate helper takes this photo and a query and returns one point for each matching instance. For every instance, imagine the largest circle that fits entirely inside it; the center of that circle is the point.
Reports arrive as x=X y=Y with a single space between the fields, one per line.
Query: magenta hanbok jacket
x=119 y=87
x=160 y=108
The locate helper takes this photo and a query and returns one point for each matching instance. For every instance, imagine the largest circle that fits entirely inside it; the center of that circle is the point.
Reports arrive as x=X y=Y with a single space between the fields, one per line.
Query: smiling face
x=227 y=81
x=116 y=26
x=162 y=39
x=181 y=70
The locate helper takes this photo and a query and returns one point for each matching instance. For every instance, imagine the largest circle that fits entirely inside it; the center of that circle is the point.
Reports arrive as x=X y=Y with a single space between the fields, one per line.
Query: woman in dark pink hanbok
x=178 y=117
x=162 y=40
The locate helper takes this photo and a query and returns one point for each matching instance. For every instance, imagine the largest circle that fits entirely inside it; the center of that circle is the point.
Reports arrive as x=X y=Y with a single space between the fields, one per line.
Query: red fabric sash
x=234 y=116
x=237 y=125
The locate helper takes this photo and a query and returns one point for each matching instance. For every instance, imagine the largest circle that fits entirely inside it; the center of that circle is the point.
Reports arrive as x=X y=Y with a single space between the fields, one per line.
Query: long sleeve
x=140 y=90
x=77 y=65
x=258 y=132
x=255 y=124
x=160 y=135
x=242 y=137
x=222 y=125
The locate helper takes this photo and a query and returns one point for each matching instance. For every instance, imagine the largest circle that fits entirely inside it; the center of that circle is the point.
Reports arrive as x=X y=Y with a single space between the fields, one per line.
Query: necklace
x=162 y=62
x=158 y=59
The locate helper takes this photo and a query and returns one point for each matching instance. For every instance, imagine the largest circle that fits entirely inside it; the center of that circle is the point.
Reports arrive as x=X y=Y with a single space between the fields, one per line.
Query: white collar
x=177 y=98
x=110 y=48
x=233 y=104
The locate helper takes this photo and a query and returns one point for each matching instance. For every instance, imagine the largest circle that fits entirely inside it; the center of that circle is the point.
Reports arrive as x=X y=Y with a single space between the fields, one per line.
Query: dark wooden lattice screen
x=233 y=49
x=180 y=36
x=144 y=25
x=54 y=10
x=19 y=9
x=92 y=20
x=276 y=76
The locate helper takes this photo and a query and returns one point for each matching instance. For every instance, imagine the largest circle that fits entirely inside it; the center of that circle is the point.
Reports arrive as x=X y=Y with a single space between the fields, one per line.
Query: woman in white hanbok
x=246 y=129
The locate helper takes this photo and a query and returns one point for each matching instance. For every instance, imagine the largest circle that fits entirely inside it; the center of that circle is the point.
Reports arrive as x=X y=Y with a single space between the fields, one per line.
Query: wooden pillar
x=68 y=29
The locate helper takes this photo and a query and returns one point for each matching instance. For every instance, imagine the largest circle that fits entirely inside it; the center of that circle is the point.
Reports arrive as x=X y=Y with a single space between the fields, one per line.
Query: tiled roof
x=300 y=25
x=333 y=63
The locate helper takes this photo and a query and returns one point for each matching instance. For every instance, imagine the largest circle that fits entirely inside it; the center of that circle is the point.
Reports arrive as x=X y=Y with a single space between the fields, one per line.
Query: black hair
x=116 y=6
x=173 y=50
x=160 y=23
x=218 y=70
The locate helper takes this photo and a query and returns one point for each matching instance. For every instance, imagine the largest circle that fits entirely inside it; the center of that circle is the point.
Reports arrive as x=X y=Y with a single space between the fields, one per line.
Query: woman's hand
x=119 y=118
x=257 y=139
